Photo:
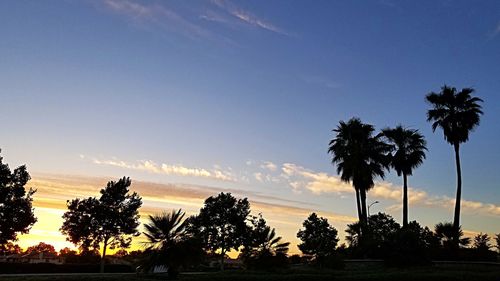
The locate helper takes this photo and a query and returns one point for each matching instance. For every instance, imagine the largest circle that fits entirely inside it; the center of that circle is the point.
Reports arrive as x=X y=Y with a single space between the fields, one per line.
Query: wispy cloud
x=157 y=15
x=269 y=166
x=318 y=183
x=213 y=16
x=300 y=178
x=245 y=17
x=167 y=169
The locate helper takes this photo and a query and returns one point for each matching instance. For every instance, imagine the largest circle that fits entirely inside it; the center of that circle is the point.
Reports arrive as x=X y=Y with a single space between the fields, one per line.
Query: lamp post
x=370 y=206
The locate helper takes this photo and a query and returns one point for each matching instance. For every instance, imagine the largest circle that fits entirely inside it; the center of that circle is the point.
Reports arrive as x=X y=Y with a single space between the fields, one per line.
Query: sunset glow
x=193 y=98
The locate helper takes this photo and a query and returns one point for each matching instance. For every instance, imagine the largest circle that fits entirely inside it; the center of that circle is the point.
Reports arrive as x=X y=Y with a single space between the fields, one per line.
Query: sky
x=192 y=98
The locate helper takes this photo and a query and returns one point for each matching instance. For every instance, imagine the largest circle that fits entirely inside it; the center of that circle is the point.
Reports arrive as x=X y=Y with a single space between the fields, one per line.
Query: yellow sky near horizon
x=53 y=191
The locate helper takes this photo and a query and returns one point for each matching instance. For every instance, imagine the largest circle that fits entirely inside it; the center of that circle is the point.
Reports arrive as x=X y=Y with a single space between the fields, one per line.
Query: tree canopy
x=110 y=220
x=318 y=237
x=221 y=223
x=41 y=248
x=16 y=210
x=262 y=239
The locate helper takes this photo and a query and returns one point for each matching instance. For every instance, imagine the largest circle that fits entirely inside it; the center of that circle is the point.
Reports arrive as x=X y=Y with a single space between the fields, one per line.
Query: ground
x=449 y=273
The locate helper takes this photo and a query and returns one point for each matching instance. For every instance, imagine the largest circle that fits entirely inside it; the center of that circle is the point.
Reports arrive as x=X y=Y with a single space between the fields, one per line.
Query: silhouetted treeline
x=361 y=155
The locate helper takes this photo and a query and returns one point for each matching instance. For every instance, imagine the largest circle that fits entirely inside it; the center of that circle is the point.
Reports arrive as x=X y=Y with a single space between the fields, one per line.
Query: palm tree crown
x=268 y=242
x=169 y=243
x=408 y=152
x=408 y=147
x=164 y=230
x=360 y=156
x=457 y=113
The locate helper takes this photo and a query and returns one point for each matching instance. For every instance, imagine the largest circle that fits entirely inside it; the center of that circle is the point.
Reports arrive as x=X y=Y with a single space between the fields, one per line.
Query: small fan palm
x=262 y=239
x=448 y=234
x=164 y=230
x=272 y=244
x=167 y=243
x=408 y=148
x=457 y=114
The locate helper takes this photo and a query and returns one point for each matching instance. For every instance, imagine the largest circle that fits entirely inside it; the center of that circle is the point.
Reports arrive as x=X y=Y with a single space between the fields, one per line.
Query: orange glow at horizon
x=53 y=192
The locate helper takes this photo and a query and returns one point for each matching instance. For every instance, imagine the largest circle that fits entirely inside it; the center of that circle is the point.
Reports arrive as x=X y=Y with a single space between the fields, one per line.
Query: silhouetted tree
x=378 y=233
x=319 y=238
x=457 y=114
x=448 y=235
x=120 y=253
x=10 y=249
x=221 y=223
x=89 y=256
x=169 y=244
x=16 y=211
x=408 y=152
x=481 y=242
x=497 y=241
x=262 y=247
x=360 y=156
x=41 y=248
x=412 y=245
x=69 y=255
x=111 y=220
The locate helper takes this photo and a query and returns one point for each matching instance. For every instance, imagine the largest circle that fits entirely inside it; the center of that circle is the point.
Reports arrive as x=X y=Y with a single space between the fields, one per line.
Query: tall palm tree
x=457 y=114
x=408 y=152
x=360 y=156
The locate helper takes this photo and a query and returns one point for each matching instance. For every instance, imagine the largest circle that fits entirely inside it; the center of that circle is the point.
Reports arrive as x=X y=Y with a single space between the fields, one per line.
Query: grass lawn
x=449 y=273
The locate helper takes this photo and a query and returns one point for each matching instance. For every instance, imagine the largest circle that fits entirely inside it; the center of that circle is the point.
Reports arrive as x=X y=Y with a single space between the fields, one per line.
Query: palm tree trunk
x=363 y=207
x=358 y=203
x=456 y=220
x=405 y=200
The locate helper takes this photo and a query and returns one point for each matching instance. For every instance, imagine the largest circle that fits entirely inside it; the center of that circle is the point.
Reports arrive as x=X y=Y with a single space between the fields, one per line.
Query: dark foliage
x=88 y=256
x=481 y=242
x=295 y=259
x=111 y=220
x=497 y=241
x=457 y=114
x=169 y=244
x=360 y=157
x=408 y=152
x=412 y=246
x=378 y=234
x=41 y=248
x=448 y=234
x=69 y=256
x=10 y=248
x=221 y=224
x=16 y=210
x=481 y=246
x=263 y=250
x=319 y=240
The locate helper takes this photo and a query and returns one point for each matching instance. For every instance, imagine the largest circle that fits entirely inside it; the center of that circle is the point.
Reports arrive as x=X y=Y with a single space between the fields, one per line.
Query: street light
x=370 y=206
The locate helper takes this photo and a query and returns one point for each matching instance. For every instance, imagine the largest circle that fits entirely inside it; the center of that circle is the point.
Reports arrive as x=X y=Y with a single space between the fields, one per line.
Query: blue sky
x=95 y=87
